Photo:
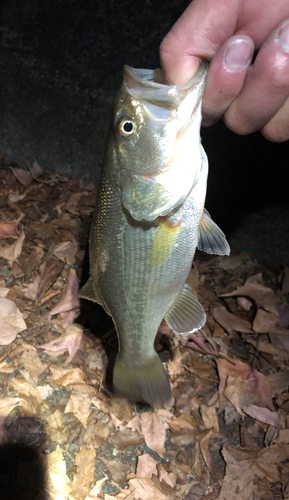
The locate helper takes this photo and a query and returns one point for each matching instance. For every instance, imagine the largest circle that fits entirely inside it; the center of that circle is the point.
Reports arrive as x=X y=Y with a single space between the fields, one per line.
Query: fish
x=148 y=221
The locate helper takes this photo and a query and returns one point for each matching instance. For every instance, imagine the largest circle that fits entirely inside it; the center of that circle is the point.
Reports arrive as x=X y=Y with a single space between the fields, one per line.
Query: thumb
x=203 y=27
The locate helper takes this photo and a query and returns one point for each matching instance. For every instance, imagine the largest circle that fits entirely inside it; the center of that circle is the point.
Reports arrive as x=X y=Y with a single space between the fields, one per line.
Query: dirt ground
x=63 y=435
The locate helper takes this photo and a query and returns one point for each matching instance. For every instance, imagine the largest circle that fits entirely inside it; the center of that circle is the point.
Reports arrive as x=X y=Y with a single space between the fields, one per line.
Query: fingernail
x=283 y=36
x=238 y=54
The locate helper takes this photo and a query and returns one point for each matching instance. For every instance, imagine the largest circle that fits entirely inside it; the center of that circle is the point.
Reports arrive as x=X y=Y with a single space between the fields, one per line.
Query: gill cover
x=160 y=155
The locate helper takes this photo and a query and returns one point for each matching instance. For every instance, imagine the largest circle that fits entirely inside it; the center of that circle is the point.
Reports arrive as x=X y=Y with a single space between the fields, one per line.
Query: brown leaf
x=142 y=489
x=80 y=406
x=8 y=229
x=146 y=466
x=153 y=426
x=58 y=483
x=66 y=251
x=183 y=421
x=124 y=438
x=84 y=464
x=266 y=322
x=202 y=345
x=12 y=252
x=204 y=441
x=260 y=293
x=230 y=322
x=70 y=301
x=11 y=321
x=69 y=340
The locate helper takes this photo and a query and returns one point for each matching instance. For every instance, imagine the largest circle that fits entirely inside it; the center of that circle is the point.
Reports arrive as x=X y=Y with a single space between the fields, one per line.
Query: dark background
x=60 y=65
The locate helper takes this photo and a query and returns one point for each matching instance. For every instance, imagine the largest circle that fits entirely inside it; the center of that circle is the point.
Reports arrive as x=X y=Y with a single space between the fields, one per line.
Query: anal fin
x=211 y=238
x=186 y=315
x=88 y=292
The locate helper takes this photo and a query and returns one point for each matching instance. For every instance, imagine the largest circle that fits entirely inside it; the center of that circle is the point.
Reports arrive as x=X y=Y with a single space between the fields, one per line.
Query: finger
x=266 y=86
x=199 y=32
x=226 y=76
x=277 y=129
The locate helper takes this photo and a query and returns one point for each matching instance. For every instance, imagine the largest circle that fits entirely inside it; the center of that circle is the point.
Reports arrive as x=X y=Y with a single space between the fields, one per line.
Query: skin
x=248 y=96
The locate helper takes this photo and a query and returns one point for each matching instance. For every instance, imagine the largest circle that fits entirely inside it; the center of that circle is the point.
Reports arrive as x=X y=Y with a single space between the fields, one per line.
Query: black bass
x=148 y=221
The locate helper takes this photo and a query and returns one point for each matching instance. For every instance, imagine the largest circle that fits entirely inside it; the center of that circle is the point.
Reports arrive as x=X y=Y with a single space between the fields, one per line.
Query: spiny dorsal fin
x=163 y=243
x=87 y=292
x=186 y=315
x=211 y=238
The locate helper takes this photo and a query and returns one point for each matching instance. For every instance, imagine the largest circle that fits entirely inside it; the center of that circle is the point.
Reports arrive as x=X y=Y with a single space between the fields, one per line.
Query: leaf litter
x=224 y=435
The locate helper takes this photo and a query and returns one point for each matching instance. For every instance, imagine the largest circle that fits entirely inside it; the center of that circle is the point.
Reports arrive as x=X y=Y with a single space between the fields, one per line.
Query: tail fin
x=147 y=382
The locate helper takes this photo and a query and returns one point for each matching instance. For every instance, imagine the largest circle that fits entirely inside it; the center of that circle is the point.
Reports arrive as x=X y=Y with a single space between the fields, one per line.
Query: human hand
x=248 y=96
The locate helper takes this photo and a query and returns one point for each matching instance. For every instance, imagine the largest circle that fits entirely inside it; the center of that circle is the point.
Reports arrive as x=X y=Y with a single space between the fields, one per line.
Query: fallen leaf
x=66 y=251
x=260 y=293
x=142 y=489
x=8 y=229
x=11 y=321
x=96 y=489
x=80 y=406
x=230 y=322
x=69 y=340
x=56 y=429
x=153 y=426
x=70 y=301
x=202 y=345
x=146 y=466
x=12 y=252
x=84 y=464
x=58 y=483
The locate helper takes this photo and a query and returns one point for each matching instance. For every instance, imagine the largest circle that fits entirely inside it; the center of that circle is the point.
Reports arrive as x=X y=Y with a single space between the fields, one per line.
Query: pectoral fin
x=87 y=292
x=164 y=242
x=186 y=315
x=211 y=238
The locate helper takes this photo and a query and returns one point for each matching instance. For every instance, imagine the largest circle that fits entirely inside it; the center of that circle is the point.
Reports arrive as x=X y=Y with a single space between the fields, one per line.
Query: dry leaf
x=58 y=482
x=12 y=252
x=69 y=340
x=230 y=322
x=80 y=407
x=97 y=489
x=210 y=417
x=55 y=427
x=84 y=464
x=142 y=489
x=11 y=321
x=153 y=426
x=8 y=229
x=66 y=251
x=70 y=301
x=146 y=466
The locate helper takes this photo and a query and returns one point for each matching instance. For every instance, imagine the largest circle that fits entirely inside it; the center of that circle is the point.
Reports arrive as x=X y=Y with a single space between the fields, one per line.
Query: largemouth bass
x=149 y=219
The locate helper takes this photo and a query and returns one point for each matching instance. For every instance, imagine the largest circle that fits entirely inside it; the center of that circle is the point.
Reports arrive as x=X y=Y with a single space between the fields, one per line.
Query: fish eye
x=127 y=126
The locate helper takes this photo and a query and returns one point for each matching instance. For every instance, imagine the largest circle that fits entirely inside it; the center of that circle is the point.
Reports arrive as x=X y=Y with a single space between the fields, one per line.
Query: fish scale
x=147 y=224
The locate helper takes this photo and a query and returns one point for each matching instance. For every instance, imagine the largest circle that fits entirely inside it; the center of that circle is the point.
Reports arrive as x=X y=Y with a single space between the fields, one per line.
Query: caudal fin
x=147 y=382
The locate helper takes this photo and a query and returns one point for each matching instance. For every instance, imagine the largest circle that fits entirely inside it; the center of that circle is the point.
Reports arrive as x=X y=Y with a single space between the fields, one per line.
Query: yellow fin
x=163 y=243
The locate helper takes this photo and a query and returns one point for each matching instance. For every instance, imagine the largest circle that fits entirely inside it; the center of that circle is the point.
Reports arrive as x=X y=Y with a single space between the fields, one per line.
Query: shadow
x=22 y=461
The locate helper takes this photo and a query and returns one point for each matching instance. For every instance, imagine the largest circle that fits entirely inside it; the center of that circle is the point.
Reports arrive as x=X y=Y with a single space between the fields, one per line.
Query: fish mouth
x=150 y=85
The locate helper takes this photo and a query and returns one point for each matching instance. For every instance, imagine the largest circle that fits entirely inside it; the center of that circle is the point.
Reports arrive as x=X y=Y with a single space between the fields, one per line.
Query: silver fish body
x=149 y=219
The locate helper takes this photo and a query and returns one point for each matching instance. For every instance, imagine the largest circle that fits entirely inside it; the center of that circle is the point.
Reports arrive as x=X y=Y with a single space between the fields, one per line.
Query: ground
x=63 y=434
